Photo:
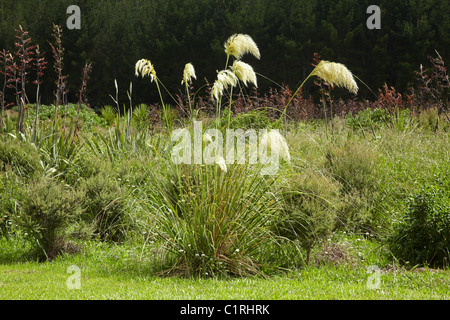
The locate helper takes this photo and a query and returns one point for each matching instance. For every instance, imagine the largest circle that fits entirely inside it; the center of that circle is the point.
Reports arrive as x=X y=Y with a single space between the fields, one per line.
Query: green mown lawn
x=50 y=280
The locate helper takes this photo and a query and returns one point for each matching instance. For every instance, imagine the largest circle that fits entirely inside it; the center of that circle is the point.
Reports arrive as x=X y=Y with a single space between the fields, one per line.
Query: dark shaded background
x=116 y=33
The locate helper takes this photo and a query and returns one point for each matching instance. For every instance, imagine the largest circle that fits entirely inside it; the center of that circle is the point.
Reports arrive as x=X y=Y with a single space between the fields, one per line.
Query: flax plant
x=82 y=93
x=40 y=65
x=61 y=82
x=23 y=53
x=5 y=62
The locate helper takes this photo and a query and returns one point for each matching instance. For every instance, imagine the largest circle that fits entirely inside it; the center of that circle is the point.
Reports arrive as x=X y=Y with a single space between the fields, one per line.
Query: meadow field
x=129 y=201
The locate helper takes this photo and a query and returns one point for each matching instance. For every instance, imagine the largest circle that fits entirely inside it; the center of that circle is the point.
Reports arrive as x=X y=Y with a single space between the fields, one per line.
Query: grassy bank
x=340 y=215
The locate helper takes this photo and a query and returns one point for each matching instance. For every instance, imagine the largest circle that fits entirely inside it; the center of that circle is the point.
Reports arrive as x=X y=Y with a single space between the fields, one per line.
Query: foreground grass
x=112 y=274
x=48 y=281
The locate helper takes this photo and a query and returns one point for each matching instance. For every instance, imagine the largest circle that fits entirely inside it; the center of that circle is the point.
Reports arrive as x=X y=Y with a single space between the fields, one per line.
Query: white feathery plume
x=336 y=74
x=239 y=44
x=277 y=144
x=188 y=74
x=145 y=68
x=244 y=72
x=220 y=161
x=225 y=78
x=217 y=90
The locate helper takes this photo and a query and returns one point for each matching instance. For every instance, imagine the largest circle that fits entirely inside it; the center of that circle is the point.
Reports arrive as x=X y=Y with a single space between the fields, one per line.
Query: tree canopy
x=115 y=34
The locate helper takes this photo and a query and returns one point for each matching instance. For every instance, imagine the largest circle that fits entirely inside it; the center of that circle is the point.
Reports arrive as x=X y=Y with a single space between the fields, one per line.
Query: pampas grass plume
x=277 y=144
x=244 y=72
x=188 y=74
x=336 y=74
x=145 y=68
x=225 y=78
x=239 y=44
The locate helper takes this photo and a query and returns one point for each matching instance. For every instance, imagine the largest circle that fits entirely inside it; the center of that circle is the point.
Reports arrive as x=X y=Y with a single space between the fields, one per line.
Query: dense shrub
x=46 y=209
x=85 y=167
x=141 y=117
x=255 y=119
x=367 y=119
x=109 y=114
x=310 y=210
x=104 y=206
x=10 y=197
x=87 y=116
x=353 y=165
x=21 y=157
x=422 y=236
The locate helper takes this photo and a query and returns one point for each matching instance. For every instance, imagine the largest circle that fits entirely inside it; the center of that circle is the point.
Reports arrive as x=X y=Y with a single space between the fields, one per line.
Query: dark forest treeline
x=116 y=33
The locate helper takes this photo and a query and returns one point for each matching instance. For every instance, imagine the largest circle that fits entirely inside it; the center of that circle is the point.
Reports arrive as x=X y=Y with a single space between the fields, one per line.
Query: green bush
x=353 y=166
x=47 y=208
x=10 y=197
x=109 y=114
x=86 y=166
x=88 y=118
x=141 y=118
x=428 y=119
x=309 y=212
x=256 y=119
x=21 y=157
x=367 y=119
x=104 y=206
x=422 y=236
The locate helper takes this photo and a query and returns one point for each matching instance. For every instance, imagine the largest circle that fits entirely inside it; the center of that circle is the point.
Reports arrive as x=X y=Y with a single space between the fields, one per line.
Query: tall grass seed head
x=220 y=161
x=188 y=74
x=225 y=78
x=145 y=68
x=239 y=44
x=277 y=144
x=244 y=72
x=217 y=90
x=336 y=74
